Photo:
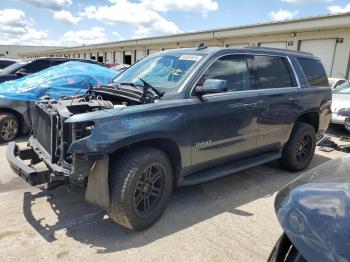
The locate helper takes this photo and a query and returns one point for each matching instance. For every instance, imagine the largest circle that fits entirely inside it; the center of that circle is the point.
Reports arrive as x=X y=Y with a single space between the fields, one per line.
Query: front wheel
x=300 y=149
x=9 y=127
x=140 y=184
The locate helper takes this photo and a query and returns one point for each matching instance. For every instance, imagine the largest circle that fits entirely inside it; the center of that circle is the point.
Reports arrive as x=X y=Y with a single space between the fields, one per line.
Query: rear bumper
x=17 y=156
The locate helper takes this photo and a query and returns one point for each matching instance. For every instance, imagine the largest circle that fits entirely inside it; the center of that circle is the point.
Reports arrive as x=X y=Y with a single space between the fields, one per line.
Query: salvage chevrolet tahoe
x=176 y=118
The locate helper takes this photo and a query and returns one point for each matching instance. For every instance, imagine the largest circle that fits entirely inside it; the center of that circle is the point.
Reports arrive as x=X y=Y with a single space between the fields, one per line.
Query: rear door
x=276 y=86
x=224 y=125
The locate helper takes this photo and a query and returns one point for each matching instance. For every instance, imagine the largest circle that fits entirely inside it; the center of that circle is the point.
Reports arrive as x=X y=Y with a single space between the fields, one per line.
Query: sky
x=79 y=22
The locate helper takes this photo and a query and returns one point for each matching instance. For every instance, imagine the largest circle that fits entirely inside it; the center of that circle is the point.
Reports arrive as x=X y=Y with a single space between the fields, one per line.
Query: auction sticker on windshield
x=190 y=57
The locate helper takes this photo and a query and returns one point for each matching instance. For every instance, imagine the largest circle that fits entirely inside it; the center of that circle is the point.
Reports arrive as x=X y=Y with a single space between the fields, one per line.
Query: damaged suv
x=176 y=118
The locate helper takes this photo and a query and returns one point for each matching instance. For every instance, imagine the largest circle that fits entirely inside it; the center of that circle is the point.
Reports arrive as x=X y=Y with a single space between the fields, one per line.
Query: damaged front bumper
x=17 y=156
x=22 y=160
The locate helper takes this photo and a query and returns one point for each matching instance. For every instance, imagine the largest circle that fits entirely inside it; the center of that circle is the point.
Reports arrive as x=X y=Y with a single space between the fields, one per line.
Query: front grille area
x=44 y=131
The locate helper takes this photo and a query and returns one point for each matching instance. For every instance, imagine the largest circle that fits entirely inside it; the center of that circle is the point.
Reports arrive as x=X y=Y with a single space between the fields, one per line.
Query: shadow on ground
x=189 y=206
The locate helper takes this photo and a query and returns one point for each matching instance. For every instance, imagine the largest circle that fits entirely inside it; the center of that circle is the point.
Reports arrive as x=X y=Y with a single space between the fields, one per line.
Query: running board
x=228 y=169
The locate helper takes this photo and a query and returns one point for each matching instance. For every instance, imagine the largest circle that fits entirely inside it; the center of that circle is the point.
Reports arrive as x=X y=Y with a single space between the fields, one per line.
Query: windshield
x=165 y=71
x=344 y=88
x=13 y=68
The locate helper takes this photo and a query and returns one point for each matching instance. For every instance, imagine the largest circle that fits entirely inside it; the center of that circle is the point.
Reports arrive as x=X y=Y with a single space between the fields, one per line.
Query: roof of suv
x=249 y=50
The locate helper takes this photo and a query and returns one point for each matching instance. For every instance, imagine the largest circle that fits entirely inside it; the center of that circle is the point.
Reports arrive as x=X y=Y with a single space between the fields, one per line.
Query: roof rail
x=277 y=50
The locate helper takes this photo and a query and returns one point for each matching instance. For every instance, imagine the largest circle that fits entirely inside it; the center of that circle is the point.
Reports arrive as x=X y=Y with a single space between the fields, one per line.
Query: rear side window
x=314 y=72
x=271 y=72
x=58 y=62
x=37 y=66
x=233 y=69
x=4 y=63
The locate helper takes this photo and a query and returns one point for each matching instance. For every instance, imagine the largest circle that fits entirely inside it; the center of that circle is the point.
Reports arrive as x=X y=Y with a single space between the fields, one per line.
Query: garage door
x=139 y=55
x=118 y=57
x=323 y=49
x=280 y=45
x=109 y=57
x=237 y=45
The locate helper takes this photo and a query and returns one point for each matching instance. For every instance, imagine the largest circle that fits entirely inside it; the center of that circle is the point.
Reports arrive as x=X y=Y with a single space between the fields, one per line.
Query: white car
x=341 y=103
x=335 y=82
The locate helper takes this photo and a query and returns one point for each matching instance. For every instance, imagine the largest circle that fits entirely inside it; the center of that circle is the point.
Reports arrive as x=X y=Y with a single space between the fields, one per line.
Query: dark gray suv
x=177 y=118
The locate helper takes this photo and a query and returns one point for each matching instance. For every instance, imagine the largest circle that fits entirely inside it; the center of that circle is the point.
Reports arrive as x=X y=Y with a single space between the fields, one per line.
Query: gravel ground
x=231 y=219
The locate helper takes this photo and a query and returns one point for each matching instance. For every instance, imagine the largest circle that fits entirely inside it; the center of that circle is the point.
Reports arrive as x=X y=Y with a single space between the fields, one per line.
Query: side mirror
x=21 y=72
x=212 y=86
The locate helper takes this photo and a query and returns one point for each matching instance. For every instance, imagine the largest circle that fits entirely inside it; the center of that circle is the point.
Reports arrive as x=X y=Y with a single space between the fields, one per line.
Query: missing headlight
x=81 y=130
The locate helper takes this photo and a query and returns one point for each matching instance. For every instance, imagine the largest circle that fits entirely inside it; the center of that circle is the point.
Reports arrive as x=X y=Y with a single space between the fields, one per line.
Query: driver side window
x=233 y=69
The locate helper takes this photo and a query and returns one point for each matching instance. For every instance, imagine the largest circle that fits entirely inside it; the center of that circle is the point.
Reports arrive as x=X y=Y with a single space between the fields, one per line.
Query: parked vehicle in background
x=335 y=82
x=315 y=215
x=4 y=62
x=176 y=118
x=341 y=104
x=120 y=68
x=347 y=124
x=31 y=66
x=17 y=97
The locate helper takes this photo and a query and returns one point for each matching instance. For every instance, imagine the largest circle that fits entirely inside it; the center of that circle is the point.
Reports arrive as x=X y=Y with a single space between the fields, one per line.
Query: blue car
x=17 y=97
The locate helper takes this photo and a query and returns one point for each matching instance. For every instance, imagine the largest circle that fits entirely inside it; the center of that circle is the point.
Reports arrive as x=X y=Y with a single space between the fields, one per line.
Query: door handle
x=294 y=99
x=249 y=106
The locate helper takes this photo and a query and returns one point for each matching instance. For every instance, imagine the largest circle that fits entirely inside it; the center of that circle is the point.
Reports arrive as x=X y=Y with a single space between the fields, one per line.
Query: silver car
x=341 y=103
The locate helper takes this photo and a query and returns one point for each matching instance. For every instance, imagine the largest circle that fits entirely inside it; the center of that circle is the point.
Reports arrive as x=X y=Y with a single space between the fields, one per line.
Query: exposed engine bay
x=52 y=136
x=103 y=97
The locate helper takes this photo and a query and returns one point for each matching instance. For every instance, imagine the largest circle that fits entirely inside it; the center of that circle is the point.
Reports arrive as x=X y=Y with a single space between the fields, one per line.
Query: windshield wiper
x=147 y=86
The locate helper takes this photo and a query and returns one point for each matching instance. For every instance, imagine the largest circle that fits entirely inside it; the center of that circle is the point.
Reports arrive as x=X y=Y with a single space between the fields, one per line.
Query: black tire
x=299 y=150
x=130 y=182
x=9 y=127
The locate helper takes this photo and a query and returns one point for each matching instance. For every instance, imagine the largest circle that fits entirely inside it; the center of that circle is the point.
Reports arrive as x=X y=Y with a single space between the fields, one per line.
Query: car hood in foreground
x=314 y=211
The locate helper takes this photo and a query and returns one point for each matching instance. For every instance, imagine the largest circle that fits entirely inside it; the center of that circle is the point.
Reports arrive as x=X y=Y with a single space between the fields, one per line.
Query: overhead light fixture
x=292 y=34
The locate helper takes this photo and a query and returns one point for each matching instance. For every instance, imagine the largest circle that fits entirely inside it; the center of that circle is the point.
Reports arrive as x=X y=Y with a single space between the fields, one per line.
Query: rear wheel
x=300 y=149
x=9 y=127
x=140 y=186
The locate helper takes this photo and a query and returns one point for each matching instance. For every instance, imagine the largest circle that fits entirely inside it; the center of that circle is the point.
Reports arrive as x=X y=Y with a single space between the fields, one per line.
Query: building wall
x=270 y=35
x=13 y=51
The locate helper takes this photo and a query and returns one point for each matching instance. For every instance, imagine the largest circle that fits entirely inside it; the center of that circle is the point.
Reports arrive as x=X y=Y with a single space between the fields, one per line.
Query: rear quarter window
x=314 y=72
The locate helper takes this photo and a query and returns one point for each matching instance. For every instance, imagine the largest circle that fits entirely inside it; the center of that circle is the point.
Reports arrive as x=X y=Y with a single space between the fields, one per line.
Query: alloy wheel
x=149 y=189
x=9 y=129
x=303 y=148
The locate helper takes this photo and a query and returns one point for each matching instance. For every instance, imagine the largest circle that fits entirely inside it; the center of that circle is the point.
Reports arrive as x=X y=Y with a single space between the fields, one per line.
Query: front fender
x=112 y=133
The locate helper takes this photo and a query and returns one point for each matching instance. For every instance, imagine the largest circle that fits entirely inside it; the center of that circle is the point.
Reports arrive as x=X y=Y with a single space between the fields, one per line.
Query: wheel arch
x=167 y=145
x=312 y=118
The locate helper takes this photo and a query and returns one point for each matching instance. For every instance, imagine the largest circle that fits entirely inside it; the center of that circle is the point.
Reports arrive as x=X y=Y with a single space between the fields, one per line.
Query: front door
x=224 y=125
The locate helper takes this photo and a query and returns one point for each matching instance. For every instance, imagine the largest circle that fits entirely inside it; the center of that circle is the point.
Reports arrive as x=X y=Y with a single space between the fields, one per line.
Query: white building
x=13 y=51
x=328 y=37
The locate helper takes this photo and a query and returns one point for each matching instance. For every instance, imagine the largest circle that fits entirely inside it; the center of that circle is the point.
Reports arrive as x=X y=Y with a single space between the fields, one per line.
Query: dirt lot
x=231 y=219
